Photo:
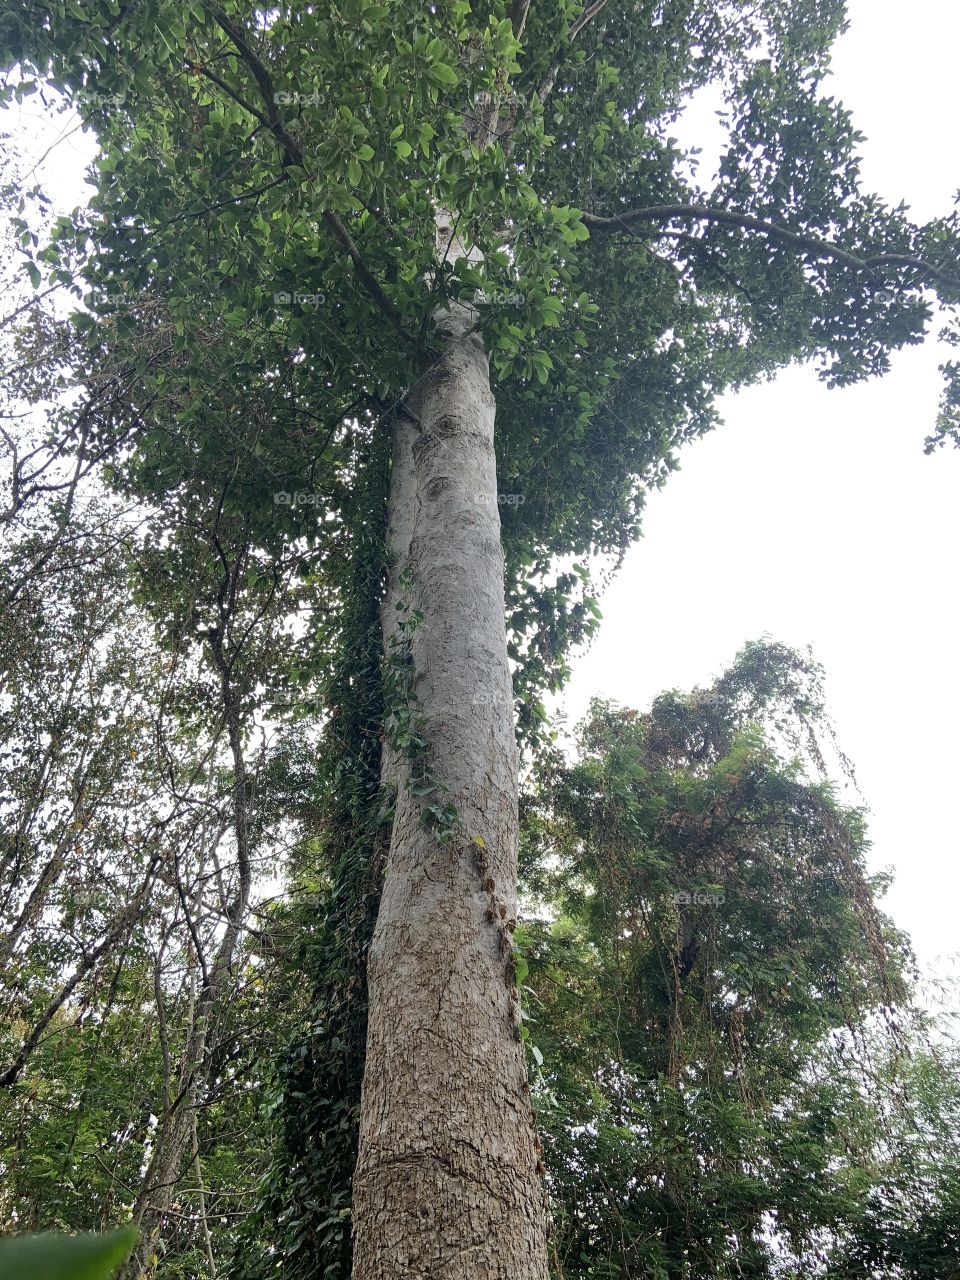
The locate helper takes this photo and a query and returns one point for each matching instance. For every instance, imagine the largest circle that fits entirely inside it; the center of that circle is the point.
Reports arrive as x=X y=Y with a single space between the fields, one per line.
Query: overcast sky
x=811 y=515
x=814 y=516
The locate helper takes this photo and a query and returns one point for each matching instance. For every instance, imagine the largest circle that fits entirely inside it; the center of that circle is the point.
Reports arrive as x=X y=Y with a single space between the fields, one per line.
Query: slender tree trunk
x=447 y=1182
x=175 y=1138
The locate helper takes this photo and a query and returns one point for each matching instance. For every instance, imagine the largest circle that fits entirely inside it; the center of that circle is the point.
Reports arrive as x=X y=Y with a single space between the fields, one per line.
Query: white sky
x=812 y=515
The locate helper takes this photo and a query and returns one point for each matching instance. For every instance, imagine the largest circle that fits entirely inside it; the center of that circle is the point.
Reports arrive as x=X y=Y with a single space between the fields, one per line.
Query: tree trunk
x=447 y=1182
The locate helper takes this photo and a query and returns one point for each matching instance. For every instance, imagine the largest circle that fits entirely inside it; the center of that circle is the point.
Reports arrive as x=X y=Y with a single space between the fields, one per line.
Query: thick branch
x=779 y=235
x=588 y=15
x=345 y=241
x=271 y=116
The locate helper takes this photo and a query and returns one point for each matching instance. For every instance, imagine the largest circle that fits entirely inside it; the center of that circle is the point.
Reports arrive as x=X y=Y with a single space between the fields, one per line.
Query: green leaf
x=424 y=789
x=440 y=73
x=54 y=1256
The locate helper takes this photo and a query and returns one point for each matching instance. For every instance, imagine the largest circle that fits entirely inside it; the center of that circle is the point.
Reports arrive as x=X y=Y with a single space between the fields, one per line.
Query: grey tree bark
x=448 y=1179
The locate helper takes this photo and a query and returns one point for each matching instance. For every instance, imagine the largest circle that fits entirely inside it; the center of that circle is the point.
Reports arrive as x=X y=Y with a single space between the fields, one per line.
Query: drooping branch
x=814 y=245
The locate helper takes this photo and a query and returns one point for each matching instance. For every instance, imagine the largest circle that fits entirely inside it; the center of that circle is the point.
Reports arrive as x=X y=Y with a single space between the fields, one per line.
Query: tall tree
x=310 y=216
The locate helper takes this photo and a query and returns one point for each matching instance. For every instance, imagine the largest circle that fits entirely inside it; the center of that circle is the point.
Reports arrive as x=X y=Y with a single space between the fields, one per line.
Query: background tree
x=730 y=1078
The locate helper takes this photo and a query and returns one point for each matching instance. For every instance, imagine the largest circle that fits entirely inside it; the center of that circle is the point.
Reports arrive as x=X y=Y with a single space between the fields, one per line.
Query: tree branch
x=517 y=14
x=343 y=237
x=271 y=118
x=779 y=235
x=222 y=204
x=230 y=92
x=588 y=15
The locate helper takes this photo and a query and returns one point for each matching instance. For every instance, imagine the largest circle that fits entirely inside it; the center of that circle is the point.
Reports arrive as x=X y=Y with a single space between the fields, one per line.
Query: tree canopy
x=264 y=219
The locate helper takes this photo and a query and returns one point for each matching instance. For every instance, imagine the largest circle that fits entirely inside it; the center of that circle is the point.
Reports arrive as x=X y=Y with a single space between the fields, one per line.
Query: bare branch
x=121 y=925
